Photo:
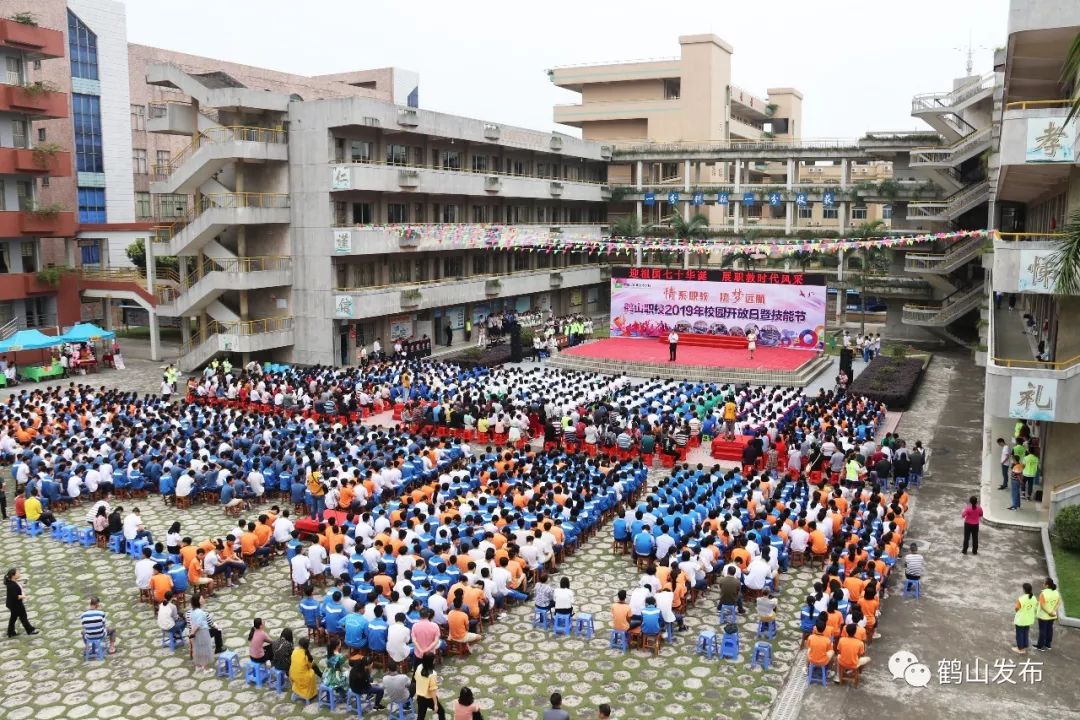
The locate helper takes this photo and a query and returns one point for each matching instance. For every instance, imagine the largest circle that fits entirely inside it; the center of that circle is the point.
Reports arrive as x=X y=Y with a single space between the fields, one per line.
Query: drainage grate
x=789 y=702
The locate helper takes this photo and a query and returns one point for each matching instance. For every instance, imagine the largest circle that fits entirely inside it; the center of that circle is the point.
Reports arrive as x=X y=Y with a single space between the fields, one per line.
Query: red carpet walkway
x=650 y=350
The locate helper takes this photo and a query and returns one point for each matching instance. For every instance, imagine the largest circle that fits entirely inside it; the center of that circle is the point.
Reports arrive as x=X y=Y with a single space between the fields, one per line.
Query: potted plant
x=43 y=153
x=48 y=210
x=38 y=88
x=25 y=18
x=52 y=275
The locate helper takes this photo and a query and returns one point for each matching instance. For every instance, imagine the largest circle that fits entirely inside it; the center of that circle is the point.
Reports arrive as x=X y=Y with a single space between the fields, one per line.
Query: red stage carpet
x=648 y=350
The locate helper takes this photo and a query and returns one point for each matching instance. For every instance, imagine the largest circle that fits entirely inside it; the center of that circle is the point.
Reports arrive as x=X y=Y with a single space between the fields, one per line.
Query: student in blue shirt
x=644 y=544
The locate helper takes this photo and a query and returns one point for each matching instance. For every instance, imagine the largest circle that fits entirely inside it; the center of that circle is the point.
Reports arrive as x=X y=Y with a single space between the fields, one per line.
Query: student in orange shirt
x=160 y=583
x=620 y=613
x=851 y=650
x=457 y=621
x=819 y=647
x=195 y=571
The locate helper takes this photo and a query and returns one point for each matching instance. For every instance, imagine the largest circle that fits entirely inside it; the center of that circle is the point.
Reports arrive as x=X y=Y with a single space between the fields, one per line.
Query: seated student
x=564 y=598
x=620 y=613
x=458 y=623
x=819 y=646
x=766 y=608
x=851 y=650
x=360 y=680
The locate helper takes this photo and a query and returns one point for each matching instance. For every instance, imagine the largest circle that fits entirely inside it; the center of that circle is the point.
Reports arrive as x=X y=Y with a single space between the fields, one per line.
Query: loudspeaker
x=515 y=343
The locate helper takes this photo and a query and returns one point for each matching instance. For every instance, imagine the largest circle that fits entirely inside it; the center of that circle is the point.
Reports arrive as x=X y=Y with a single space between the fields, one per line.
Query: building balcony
x=575 y=114
x=41 y=104
x=573 y=77
x=371 y=302
x=15 y=286
x=253 y=336
x=215 y=148
x=376 y=177
x=378 y=240
x=23 y=223
x=23 y=161
x=741 y=130
x=37 y=42
x=1037 y=149
x=1023 y=262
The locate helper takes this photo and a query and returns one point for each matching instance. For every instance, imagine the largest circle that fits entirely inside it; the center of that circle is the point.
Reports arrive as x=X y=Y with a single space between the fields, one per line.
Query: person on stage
x=673 y=345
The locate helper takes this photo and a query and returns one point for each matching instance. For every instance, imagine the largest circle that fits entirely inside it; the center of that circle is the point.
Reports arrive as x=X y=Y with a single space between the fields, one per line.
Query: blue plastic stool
x=135 y=548
x=706 y=643
x=767 y=628
x=280 y=679
x=401 y=707
x=256 y=674
x=818 y=674
x=34 y=528
x=94 y=650
x=541 y=618
x=728 y=614
x=86 y=537
x=762 y=655
x=71 y=534
x=583 y=625
x=327 y=697
x=729 y=646
x=912 y=588
x=306 y=701
x=619 y=640
x=355 y=703
x=169 y=640
x=57 y=530
x=670 y=632
x=227 y=665
x=116 y=543
x=18 y=525
x=562 y=624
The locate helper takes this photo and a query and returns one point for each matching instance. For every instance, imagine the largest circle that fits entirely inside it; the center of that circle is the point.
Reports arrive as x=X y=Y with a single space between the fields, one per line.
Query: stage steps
x=799 y=377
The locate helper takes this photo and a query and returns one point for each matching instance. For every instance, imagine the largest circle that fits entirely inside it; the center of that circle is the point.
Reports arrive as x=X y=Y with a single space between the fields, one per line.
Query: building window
x=87 y=110
x=14 y=71
x=41 y=134
x=446 y=214
x=360 y=151
x=362 y=214
x=829 y=213
x=397 y=155
x=805 y=212
x=24 y=191
x=163 y=159
x=397 y=213
x=521 y=261
x=480 y=264
x=91 y=205
x=449 y=160
x=143 y=205
x=858 y=213
x=479 y=163
x=29 y=256
x=138 y=117
x=82 y=47
x=20 y=136
x=400 y=271
x=138 y=161
x=90 y=252
x=672 y=88
x=453 y=267
x=886 y=212
x=170 y=205
x=479 y=213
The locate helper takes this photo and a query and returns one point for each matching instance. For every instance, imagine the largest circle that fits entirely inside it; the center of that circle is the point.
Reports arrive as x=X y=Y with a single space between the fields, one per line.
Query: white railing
x=948 y=154
x=942 y=315
x=951 y=206
x=942 y=102
x=9 y=328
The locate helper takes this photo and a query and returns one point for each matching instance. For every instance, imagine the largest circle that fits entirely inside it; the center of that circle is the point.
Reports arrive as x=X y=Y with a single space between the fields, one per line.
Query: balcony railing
x=219 y=201
x=257 y=263
x=240 y=328
x=1029 y=236
x=948 y=154
x=474 y=171
x=929 y=102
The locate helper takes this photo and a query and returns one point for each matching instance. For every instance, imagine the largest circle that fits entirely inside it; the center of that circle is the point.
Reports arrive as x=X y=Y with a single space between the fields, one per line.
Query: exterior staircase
x=943 y=263
x=952 y=309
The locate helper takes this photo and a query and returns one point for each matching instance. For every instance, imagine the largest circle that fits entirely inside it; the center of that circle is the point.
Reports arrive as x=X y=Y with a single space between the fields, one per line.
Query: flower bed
x=892 y=381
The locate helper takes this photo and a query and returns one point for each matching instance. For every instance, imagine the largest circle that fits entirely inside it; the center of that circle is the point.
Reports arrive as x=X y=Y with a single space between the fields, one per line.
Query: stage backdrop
x=787 y=309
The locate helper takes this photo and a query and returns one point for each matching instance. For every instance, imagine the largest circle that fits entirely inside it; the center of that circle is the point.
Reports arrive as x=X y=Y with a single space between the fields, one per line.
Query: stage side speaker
x=515 y=343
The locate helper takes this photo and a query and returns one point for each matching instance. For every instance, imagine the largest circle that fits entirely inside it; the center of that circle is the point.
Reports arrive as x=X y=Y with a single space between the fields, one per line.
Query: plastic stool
x=583 y=625
x=169 y=640
x=762 y=655
x=70 y=534
x=227 y=665
x=670 y=632
x=818 y=674
x=355 y=702
x=280 y=679
x=562 y=624
x=729 y=647
x=116 y=543
x=401 y=707
x=255 y=674
x=94 y=650
x=327 y=697
x=86 y=537
x=34 y=528
x=57 y=530
x=619 y=640
x=135 y=548
x=706 y=644
x=767 y=628
x=912 y=588
x=728 y=614
x=18 y=525
x=306 y=701
x=541 y=618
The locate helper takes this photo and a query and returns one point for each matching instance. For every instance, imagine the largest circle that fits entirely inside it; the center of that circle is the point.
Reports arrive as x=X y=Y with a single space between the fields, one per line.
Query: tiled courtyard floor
x=512 y=670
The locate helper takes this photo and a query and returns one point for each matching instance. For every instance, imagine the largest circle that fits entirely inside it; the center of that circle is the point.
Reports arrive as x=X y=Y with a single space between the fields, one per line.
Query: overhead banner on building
x=784 y=309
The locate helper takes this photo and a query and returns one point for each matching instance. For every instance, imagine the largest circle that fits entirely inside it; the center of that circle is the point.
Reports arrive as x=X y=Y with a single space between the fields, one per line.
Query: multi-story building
x=1032 y=352
x=293 y=248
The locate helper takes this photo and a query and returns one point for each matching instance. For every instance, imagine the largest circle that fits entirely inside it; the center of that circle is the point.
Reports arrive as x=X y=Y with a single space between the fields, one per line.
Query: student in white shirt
x=564 y=598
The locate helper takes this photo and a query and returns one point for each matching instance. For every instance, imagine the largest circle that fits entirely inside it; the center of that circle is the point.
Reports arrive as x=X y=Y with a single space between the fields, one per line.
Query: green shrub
x=1067 y=527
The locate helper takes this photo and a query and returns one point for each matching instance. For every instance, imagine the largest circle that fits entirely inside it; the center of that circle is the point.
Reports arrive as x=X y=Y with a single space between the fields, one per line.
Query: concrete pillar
x=736 y=211
x=637 y=257
x=845 y=173
x=686 y=260
x=639 y=178
x=842 y=214
x=790 y=172
x=185 y=330
x=788 y=216
x=637 y=210
x=155 y=331
x=69 y=252
x=738 y=176
x=840 y=267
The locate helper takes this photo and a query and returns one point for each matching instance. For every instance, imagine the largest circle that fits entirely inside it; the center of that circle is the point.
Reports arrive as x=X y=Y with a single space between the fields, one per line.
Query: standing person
x=1026 y=607
x=481 y=333
x=449 y=334
x=555 y=712
x=16 y=603
x=1016 y=482
x=538 y=346
x=166 y=388
x=468 y=329
x=427 y=689
x=466 y=708
x=1031 y=470
x=673 y=345
x=202 y=645
x=751 y=342
x=1049 y=601
x=1006 y=462
x=972 y=514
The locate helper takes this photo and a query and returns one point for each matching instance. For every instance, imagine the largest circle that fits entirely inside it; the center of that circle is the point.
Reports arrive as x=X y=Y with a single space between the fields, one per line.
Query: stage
x=648 y=358
x=649 y=350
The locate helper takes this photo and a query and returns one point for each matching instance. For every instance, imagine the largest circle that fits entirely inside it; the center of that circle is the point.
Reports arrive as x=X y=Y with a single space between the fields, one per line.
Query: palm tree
x=1070 y=76
x=868 y=229
x=686 y=230
x=1065 y=262
x=626 y=226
